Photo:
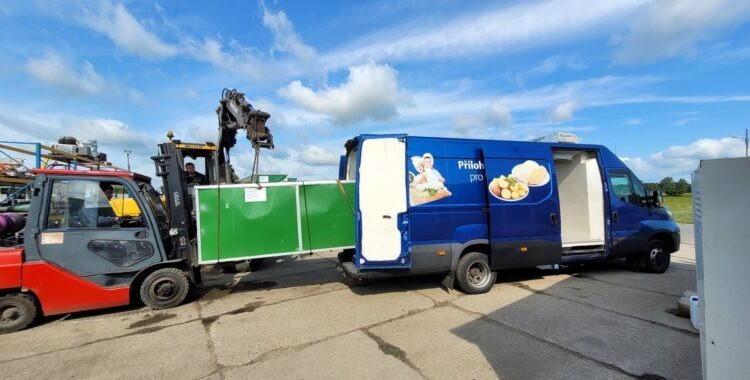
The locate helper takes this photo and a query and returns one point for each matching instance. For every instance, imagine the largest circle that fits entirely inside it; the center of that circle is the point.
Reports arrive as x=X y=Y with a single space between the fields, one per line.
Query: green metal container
x=239 y=222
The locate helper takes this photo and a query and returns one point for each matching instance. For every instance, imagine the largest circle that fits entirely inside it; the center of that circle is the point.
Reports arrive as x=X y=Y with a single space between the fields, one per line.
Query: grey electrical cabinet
x=721 y=213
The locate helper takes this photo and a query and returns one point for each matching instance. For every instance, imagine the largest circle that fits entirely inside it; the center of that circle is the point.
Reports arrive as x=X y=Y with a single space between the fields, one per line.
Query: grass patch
x=681 y=207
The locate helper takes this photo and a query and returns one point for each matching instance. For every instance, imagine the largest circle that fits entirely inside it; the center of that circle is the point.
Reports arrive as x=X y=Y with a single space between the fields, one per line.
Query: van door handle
x=615 y=216
x=553 y=219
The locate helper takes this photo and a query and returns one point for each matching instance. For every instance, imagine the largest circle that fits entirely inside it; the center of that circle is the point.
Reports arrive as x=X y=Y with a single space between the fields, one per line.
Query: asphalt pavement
x=297 y=318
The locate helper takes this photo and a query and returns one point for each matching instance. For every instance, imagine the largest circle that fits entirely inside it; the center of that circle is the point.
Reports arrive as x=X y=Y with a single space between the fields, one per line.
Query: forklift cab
x=203 y=156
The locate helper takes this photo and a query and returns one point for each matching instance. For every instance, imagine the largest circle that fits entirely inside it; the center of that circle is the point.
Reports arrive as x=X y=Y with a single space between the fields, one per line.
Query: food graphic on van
x=531 y=173
x=428 y=185
x=508 y=188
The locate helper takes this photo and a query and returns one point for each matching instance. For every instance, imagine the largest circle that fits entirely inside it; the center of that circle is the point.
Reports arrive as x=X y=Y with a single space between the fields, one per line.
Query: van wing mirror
x=657 y=199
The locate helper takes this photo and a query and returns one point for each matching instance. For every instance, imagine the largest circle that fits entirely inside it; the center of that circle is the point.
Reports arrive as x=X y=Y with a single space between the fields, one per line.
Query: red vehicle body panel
x=61 y=292
x=95 y=173
x=10 y=268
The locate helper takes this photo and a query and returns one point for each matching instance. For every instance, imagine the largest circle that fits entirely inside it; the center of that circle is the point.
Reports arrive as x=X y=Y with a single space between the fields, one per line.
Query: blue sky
x=662 y=83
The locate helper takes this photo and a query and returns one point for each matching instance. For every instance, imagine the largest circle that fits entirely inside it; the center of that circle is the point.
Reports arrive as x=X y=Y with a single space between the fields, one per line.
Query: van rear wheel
x=473 y=273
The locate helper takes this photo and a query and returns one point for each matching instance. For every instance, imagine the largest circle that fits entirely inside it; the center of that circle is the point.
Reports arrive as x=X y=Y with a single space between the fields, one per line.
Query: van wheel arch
x=666 y=239
x=478 y=247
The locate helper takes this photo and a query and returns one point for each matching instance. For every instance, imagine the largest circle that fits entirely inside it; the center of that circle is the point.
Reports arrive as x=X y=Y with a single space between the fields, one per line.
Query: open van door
x=381 y=203
x=524 y=211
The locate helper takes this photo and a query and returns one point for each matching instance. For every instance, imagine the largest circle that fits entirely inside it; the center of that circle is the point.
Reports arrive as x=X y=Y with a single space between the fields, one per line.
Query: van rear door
x=381 y=203
x=524 y=210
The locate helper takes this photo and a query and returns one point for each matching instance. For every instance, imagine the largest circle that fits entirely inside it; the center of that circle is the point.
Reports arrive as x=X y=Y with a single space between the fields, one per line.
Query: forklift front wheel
x=17 y=311
x=164 y=288
x=473 y=273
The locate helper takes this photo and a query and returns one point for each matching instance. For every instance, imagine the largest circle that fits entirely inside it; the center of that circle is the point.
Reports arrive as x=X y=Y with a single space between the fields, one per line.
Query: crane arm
x=235 y=113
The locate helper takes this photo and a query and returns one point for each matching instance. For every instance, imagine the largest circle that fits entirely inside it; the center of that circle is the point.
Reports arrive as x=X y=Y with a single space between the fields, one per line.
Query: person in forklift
x=107 y=190
x=193 y=177
x=106 y=216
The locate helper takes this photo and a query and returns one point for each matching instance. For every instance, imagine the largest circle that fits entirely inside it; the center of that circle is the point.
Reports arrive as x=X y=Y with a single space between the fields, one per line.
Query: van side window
x=621 y=186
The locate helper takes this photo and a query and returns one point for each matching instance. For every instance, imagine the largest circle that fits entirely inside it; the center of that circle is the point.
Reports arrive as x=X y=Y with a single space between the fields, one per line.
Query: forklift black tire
x=164 y=288
x=657 y=257
x=473 y=273
x=17 y=311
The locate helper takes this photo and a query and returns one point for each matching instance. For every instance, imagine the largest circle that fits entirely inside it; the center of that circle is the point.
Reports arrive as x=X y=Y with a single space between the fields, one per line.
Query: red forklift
x=76 y=254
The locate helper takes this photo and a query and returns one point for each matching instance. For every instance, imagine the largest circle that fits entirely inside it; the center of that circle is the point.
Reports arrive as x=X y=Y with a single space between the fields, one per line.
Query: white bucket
x=695 y=316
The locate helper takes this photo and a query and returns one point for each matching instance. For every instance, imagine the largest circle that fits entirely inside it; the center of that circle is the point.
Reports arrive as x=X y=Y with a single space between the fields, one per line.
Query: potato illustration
x=495 y=187
x=505 y=194
x=503 y=183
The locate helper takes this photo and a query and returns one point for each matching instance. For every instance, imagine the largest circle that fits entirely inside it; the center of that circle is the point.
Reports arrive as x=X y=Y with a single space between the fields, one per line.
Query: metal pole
x=747 y=142
x=127 y=153
x=38 y=156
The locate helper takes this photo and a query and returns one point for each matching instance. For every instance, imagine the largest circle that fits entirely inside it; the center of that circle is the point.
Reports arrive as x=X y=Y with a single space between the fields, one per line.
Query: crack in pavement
x=158 y=328
x=392 y=350
x=218 y=367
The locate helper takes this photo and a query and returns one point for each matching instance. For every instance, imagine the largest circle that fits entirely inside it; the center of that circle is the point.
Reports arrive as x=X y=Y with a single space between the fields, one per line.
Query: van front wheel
x=656 y=257
x=473 y=273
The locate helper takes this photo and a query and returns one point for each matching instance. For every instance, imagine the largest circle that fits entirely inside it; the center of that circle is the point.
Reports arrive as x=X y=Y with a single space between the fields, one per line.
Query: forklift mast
x=170 y=164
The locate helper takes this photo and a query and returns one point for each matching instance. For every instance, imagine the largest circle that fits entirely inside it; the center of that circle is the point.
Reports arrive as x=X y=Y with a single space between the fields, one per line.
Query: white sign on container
x=254 y=194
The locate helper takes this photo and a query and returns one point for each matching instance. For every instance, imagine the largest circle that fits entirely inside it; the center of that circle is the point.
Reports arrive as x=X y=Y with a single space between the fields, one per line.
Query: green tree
x=651 y=186
x=668 y=186
x=682 y=186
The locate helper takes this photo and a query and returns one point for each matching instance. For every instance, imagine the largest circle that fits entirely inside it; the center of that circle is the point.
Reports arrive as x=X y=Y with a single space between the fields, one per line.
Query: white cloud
x=370 y=92
x=486 y=31
x=112 y=135
x=667 y=29
x=285 y=39
x=239 y=60
x=684 y=121
x=681 y=160
x=564 y=111
x=494 y=116
x=550 y=65
x=498 y=115
x=125 y=31
x=54 y=70
x=316 y=156
x=634 y=121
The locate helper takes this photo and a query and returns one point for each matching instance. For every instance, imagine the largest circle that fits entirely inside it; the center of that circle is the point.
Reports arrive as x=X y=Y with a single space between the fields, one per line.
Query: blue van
x=467 y=208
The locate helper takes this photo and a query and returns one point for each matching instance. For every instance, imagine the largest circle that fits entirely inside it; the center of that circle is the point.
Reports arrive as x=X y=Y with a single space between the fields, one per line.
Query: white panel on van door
x=382 y=196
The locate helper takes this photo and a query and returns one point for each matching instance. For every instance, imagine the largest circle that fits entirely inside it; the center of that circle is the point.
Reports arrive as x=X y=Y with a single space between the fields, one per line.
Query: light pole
x=127 y=153
x=747 y=141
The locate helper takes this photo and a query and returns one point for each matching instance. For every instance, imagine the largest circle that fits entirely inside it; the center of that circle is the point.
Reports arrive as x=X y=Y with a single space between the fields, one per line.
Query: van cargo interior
x=579 y=184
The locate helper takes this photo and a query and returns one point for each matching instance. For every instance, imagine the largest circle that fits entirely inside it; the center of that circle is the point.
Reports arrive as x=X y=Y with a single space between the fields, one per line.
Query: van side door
x=628 y=210
x=524 y=220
